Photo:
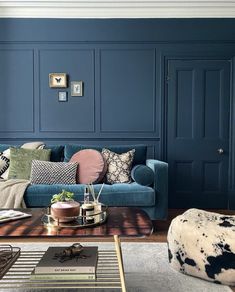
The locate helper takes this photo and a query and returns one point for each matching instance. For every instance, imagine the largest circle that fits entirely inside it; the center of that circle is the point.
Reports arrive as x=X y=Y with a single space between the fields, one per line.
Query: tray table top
x=122 y=221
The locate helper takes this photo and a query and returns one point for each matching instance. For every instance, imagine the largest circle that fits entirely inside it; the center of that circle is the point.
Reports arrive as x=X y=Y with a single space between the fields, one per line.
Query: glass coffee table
x=120 y=222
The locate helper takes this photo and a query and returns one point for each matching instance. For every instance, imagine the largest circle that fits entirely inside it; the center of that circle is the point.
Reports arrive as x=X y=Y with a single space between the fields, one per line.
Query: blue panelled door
x=198 y=95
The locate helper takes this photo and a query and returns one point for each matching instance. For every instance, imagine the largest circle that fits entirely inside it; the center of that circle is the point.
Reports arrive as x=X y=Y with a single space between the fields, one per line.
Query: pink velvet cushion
x=91 y=166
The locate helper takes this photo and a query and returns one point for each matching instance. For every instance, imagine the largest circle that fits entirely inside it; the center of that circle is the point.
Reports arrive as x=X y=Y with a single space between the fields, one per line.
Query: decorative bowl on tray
x=64 y=207
x=80 y=221
x=65 y=210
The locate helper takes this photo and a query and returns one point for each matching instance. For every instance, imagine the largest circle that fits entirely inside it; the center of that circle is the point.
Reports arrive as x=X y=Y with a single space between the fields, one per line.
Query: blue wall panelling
x=123 y=64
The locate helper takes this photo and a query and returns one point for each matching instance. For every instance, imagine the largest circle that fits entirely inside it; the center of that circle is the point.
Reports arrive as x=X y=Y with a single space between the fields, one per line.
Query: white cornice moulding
x=118 y=9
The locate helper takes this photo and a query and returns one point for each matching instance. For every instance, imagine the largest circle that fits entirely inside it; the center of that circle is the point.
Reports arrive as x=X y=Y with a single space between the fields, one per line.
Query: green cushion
x=21 y=160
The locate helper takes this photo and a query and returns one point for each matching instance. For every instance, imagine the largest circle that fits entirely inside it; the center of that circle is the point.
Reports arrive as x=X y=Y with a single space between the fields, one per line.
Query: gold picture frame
x=58 y=80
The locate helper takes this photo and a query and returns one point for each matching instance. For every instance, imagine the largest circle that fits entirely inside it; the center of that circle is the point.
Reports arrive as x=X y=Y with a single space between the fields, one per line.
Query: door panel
x=197 y=126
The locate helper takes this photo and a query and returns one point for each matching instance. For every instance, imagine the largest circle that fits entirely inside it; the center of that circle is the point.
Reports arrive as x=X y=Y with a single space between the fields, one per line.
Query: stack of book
x=82 y=267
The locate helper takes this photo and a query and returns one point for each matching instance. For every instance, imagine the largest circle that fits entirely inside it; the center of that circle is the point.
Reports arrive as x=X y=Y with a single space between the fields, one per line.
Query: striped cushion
x=46 y=172
x=4 y=163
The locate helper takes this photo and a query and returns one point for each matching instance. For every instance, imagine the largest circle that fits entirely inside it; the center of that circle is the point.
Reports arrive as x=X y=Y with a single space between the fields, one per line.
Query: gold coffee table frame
x=120 y=261
x=110 y=272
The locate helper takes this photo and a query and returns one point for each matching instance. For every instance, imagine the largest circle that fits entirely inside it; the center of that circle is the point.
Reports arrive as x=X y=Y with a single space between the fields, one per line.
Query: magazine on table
x=9 y=215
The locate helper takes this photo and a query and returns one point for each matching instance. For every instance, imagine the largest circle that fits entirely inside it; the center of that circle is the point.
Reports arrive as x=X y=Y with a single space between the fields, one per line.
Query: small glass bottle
x=86 y=196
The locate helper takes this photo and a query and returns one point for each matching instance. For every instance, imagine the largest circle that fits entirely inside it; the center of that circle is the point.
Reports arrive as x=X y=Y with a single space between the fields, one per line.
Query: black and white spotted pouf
x=202 y=244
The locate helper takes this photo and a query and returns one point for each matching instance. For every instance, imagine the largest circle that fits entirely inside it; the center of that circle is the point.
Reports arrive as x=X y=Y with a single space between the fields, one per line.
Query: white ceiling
x=118 y=8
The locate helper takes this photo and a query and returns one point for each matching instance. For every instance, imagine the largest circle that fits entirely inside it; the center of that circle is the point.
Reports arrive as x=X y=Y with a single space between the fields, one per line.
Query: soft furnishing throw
x=12 y=193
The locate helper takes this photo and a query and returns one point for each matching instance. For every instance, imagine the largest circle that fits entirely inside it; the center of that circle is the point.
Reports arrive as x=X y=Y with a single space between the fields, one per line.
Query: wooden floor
x=161 y=227
x=159 y=232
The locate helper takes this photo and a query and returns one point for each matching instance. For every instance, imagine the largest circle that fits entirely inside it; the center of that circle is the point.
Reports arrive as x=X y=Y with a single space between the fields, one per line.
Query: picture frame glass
x=58 y=80
x=76 y=88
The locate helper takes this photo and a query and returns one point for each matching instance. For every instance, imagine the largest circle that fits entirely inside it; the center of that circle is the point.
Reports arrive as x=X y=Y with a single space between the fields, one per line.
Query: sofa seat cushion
x=113 y=195
x=139 y=157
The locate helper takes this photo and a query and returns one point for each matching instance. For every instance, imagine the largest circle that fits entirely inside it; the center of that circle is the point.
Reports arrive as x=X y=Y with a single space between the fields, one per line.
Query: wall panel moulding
x=118 y=9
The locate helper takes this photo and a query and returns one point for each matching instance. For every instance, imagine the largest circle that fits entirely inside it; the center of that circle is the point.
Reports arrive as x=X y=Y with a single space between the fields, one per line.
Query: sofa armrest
x=160 y=185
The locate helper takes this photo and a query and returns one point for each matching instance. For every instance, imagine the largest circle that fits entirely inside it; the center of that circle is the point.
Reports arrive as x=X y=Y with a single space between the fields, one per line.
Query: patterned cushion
x=45 y=172
x=139 y=157
x=4 y=163
x=119 y=166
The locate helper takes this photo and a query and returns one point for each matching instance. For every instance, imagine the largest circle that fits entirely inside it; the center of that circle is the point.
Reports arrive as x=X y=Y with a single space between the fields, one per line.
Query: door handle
x=220 y=151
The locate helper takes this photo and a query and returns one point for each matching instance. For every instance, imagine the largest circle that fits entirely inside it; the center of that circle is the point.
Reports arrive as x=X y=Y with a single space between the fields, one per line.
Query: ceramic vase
x=64 y=211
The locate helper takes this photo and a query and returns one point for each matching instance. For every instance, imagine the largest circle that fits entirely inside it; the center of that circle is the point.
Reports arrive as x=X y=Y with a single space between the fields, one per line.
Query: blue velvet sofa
x=153 y=199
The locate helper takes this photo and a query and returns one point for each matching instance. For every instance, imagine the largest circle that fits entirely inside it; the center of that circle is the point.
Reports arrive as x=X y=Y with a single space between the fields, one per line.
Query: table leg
x=120 y=261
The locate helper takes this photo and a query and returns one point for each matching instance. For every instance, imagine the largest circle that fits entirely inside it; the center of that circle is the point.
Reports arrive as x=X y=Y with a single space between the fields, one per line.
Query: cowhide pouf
x=202 y=244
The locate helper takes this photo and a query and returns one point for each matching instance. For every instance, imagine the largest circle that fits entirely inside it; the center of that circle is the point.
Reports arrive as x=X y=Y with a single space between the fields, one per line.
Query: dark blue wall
x=123 y=65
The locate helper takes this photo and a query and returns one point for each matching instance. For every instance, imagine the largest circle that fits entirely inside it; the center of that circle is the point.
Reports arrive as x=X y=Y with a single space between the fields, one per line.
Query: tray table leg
x=120 y=261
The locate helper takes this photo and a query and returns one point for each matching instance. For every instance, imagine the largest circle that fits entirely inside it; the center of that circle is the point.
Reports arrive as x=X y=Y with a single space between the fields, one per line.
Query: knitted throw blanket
x=12 y=193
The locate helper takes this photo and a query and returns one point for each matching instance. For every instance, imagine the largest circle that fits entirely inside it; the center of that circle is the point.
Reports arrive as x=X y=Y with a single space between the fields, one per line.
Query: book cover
x=85 y=263
x=62 y=277
x=9 y=215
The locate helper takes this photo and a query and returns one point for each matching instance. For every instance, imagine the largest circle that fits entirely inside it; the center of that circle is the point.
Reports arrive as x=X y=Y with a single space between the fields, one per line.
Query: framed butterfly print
x=58 y=80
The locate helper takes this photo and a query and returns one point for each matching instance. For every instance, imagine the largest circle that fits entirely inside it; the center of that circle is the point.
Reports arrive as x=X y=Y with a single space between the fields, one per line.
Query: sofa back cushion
x=4 y=147
x=139 y=156
x=57 y=151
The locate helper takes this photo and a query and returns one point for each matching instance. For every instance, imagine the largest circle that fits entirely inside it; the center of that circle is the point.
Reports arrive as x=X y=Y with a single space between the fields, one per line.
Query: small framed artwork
x=58 y=80
x=63 y=96
x=77 y=88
